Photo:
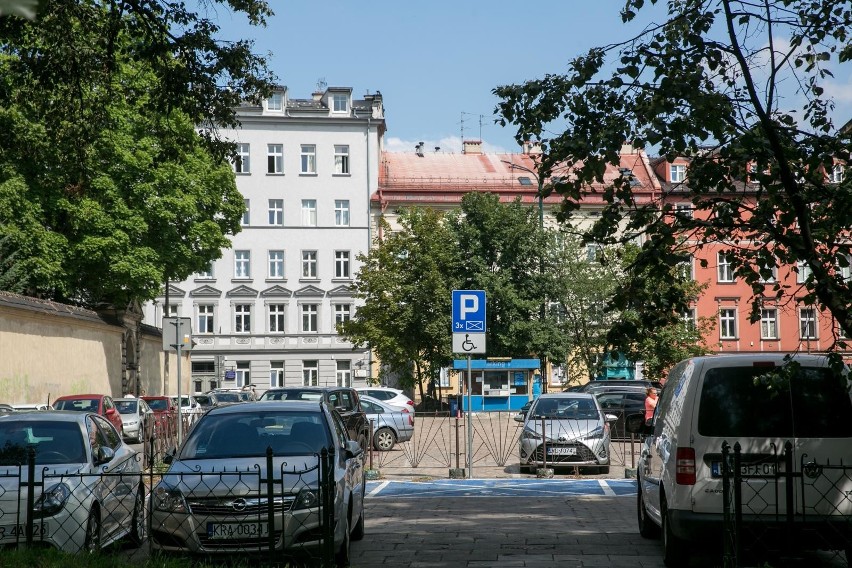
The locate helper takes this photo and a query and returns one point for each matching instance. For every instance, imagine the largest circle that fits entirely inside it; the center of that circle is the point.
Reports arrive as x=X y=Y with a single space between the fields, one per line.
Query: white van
x=760 y=402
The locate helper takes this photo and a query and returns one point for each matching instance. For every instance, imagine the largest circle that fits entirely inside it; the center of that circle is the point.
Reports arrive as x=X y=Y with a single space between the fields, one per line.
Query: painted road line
x=501 y=488
x=378 y=489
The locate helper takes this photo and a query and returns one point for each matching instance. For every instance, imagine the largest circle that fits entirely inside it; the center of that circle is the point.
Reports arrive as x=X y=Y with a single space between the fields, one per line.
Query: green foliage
x=107 y=187
x=406 y=282
x=716 y=84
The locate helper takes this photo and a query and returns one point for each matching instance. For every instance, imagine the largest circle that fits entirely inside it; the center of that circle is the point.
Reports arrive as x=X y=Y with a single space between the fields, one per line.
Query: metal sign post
x=177 y=333
x=468 y=329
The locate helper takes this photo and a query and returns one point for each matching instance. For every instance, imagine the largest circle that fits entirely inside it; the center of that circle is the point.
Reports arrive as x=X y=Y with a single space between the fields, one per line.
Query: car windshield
x=77 y=404
x=565 y=408
x=53 y=442
x=811 y=403
x=158 y=404
x=292 y=394
x=249 y=435
x=227 y=397
x=126 y=406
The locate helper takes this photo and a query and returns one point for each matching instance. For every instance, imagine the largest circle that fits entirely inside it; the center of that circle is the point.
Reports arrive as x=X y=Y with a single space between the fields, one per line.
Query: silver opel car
x=565 y=429
x=219 y=496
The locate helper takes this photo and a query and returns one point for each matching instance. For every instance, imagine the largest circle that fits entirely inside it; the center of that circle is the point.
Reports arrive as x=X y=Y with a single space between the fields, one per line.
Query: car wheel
x=674 y=549
x=92 y=543
x=341 y=558
x=137 y=530
x=384 y=439
x=647 y=527
x=140 y=436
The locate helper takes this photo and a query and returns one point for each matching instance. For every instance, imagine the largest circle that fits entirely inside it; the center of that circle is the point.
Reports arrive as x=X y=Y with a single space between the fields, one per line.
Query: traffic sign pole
x=469 y=422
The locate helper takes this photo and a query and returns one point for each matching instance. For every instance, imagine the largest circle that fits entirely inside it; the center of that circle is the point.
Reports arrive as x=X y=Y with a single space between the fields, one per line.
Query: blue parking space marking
x=443 y=488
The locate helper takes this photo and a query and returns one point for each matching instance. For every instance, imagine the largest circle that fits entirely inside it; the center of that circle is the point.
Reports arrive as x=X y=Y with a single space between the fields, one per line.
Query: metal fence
x=777 y=506
x=281 y=513
x=440 y=441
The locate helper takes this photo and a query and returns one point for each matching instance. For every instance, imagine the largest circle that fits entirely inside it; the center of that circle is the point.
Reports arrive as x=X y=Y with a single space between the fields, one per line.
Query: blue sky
x=436 y=62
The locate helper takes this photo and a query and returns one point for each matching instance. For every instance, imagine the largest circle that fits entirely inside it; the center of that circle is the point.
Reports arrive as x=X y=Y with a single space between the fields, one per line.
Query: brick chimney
x=471 y=146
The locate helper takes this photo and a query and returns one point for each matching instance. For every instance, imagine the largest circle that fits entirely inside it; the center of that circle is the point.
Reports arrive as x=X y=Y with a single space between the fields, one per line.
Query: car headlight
x=51 y=501
x=530 y=434
x=595 y=434
x=306 y=499
x=169 y=499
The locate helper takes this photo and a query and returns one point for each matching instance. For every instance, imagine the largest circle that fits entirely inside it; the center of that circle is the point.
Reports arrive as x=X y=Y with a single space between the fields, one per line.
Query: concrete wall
x=48 y=350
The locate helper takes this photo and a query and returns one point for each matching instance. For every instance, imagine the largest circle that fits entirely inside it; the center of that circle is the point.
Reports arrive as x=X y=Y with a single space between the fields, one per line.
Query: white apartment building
x=265 y=313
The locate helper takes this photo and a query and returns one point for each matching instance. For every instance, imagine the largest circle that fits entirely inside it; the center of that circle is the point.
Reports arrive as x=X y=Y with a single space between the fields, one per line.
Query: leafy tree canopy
x=112 y=176
x=741 y=90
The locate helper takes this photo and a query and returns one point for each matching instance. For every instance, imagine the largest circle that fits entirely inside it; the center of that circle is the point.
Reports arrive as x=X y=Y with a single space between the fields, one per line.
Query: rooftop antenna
x=321 y=84
x=481 y=116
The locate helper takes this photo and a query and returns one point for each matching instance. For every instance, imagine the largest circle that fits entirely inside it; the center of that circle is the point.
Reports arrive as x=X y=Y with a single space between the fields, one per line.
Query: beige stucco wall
x=45 y=354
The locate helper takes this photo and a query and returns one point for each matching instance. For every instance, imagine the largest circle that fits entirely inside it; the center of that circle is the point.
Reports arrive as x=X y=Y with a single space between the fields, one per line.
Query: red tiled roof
x=406 y=177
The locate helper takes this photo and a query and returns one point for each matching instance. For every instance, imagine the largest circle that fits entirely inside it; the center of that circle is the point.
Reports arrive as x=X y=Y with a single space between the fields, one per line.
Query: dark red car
x=165 y=414
x=100 y=403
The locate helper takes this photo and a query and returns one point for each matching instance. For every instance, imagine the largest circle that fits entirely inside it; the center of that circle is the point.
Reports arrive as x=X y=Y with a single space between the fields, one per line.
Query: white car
x=388 y=395
x=390 y=424
x=88 y=490
x=137 y=418
x=758 y=403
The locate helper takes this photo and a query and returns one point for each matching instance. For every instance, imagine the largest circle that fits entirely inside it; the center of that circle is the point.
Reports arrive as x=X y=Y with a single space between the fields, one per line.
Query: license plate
x=562 y=451
x=766 y=469
x=40 y=530
x=225 y=531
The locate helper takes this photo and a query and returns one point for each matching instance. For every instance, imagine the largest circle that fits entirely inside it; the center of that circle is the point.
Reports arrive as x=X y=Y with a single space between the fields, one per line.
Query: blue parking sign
x=469 y=311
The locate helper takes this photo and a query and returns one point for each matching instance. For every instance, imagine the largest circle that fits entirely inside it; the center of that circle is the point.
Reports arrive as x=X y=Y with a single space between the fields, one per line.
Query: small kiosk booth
x=504 y=384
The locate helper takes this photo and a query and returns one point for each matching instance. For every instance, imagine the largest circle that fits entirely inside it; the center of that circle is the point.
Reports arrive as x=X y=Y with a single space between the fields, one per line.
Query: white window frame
x=242 y=318
x=243 y=373
x=276 y=317
x=246 y=221
x=769 y=323
x=683 y=210
x=276 y=374
x=310 y=373
x=205 y=315
x=341 y=212
x=276 y=212
x=689 y=317
x=275 y=158
x=309 y=264
x=308 y=158
x=803 y=271
x=724 y=271
x=687 y=268
x=309 y=318
x=242 y=164
x=337 y=98
x=343 y=373
x=242 y=264
x=275 y=102
x=772 y=279
x=342 y=313
x=727 y=323
x=309 y=212
x=275 y=264
x=808 y=323
x=341 y=159
x=677 y=173
x=206 y=274
x=836 y=174
x=342 y=264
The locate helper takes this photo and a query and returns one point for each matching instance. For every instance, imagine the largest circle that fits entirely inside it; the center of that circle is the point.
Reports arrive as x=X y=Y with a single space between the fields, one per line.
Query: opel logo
x=239 y=504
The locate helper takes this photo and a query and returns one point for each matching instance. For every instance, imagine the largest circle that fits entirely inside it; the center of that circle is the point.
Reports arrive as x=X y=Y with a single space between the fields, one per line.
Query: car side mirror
x=610 y=417
x=104 y=455
x=519 y=417
x=352 y=448
x=168 y=458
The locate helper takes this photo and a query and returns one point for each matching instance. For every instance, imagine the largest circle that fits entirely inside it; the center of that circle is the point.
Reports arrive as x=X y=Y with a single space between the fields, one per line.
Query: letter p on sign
x=469 y=305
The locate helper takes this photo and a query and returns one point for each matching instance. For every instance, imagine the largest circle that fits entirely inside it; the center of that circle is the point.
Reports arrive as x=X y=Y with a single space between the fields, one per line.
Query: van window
x=815 y=403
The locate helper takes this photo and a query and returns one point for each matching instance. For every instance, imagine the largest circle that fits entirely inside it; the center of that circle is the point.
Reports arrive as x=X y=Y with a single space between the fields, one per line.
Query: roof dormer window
x=340 y=102
x=275 y=102
x=677 y=173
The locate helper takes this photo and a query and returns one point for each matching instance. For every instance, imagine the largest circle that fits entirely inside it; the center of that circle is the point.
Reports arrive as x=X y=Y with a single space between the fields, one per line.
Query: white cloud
x=447 y=144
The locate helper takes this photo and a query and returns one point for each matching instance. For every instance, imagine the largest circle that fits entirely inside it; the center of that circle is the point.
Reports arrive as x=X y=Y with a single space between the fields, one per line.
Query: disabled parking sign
x=468 y=321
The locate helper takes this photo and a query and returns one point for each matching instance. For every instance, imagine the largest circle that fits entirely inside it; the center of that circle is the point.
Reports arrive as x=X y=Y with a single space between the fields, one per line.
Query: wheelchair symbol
x=468 y=345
